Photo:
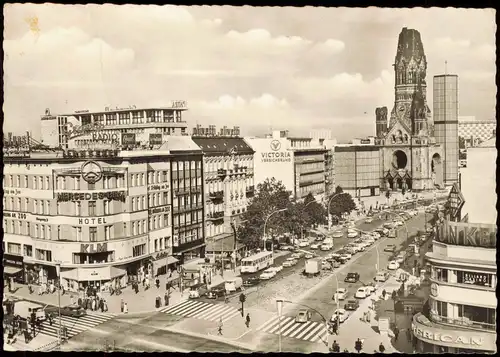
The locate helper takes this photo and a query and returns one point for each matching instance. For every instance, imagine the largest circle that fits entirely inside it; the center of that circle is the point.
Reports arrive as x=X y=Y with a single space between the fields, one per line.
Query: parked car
x=314 y=246
x=371 y=287
x=251 y=281
x=340 y=315
x=286 y=247
x=352 y=278
x=351 y=305
x=216 y=292
x=276 y=269
x=309 y=256
x=338 y=234
x=325 y=265
x=352 y=234
x=401 y=257
x=296 y=255
x=393 y=265
x=369 y=220
x=340 y=294
x=303 y=316
x=382 y=276
x=375 y=235
x=325 y=247
x=390 y=248
x=336 y=263
x=362 y=293
x=72 y=310
x=289 y=262
x=398 y=223
x=303 y=244
x=388 y=225
x=267 y=274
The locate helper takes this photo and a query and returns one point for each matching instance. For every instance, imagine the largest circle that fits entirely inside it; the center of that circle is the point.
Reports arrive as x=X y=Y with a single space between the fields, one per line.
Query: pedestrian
x=220 y=326
x=10 y=285
x=248 y=321
x=50 y=319
x=408 y=335
x=122 y=305
x=358 y=345
x=26 y=336
x=93 y=305
x=125 y=308
x=101 y=305
x=205 y=279
x=157 y=282
x=143 y=281
x=396 y=333
x=381 y=348
x=166 y=297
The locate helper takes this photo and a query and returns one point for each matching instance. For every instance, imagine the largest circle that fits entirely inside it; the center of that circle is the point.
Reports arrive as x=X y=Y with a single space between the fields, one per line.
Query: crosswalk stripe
x=202 y=310
x=320 y=336
x=217 y=311
x=187 y=307
x=314 y=331
x=196 y=309
x=276 y=323
x=301 y=328
x=208 y=312
x=289 y=321
x=229 y=315
x=286 y=331
x=179 y=306
x=307 y=330
x=267 y=323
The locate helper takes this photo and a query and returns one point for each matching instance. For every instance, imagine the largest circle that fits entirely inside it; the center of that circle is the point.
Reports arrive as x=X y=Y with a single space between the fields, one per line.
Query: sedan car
x=393 y=265
x=251 y=281
x=351 y=277
x=215 y=293
x=339 y=315
x=401 y=258
x=338 y=234
x=325 y=265
x=304 y=244
x=351 y=305
x=369 y=220
x=388 y=225
x=72 y=310
x=340 y=294
x=277 y=268
x=314 y=246
x=309 y=256
x=352 y=234
x=399 y=223
x=362 y=293
x=375 y=235
x=382 y=276
x=267 y=275
x=303 y=316
x=390 y=248
x=290 y=262
x=297 y=255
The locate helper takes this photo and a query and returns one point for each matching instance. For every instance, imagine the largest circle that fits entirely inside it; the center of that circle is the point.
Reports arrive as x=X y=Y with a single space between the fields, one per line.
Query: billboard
x=128 y=139
x=156 y=139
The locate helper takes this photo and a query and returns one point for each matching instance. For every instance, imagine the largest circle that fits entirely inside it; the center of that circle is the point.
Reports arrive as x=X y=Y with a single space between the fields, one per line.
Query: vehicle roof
x=257 y=256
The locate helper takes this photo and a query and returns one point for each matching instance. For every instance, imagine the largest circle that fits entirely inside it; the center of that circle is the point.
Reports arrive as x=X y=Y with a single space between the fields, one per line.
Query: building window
x=137 y=117
x=28 y=250
x=78 y=208
x=124 y=118
x=77 y=183
x=92 y=208
x=107 y=232
x=111 y=119
x=134 y=228
x=42 y=254
x=139 y=250
x=93 y=234
x=481 y=279
x=13 y=248
x=106 y=206
x=156 y=245
x=25 y=181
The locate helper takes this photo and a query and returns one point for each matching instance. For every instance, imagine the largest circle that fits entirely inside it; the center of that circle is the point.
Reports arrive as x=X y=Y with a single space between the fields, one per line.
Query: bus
x=257 y=262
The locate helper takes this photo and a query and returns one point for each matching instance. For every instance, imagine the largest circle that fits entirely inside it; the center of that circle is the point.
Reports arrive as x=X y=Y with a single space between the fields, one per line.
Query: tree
x=315 y=211
x=341 y=203
x=271 y=195
x=461 y=142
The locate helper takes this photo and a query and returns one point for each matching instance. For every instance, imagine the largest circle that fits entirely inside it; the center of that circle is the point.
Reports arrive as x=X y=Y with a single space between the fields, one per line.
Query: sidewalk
x=142 y=302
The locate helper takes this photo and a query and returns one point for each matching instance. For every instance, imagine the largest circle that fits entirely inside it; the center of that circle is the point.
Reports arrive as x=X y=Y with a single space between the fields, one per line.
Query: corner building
x=106 y=216
x=463 y=301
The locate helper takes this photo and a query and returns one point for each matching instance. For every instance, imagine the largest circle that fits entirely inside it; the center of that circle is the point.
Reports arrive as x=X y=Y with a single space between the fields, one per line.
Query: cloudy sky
x=259 y=68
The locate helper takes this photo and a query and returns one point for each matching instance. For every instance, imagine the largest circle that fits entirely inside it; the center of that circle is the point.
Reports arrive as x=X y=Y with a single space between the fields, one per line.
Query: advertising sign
x=456 y=200
x=156 y=139
x=467 y=234
x=128 y=139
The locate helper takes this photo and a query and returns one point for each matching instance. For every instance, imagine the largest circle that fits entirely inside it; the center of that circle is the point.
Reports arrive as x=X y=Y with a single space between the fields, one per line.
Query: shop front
x=162 y=262
x=13 y=268
x=100 y=278
x=430 y=337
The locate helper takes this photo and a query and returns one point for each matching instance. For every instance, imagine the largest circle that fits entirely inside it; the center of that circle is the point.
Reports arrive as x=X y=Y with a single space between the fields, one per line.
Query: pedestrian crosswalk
x=74 y=326
x=202 y=310
x=309 y=331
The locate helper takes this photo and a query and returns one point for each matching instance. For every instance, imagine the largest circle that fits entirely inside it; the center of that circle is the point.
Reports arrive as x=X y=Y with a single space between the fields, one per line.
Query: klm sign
x=94 y=248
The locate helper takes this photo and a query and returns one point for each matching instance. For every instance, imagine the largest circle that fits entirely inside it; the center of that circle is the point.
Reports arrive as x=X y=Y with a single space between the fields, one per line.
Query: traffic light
x=243 y=298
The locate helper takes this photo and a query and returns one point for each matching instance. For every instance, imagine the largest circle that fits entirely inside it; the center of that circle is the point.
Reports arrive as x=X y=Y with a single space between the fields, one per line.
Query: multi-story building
x=357 y=167
x=229 y=182
x=106 y=213
x=463 y=302
x=148 y=125
x=299 y=163
x=212 y=131
x=476 y=131
x=445 y=111
x=410 y=157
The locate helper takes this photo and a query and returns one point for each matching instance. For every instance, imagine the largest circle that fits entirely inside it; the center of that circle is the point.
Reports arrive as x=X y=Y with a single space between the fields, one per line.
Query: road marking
x=304 y=332
x=203 y=310
x=313 y=332
x=305 y=326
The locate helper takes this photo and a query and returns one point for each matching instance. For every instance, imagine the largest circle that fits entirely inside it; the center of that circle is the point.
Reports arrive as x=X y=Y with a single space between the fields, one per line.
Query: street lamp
x=328 y=207
x=265 y=226
x=279 y=306
x=58 y=271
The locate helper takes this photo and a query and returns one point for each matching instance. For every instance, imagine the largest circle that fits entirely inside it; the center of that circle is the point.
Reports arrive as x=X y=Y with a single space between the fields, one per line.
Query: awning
x=116 y=272
x=171 y=260
x=7 y=270
x=93 y=274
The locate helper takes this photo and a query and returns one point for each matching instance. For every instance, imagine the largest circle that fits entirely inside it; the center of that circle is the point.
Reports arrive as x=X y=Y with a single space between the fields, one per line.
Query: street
x=298 y=337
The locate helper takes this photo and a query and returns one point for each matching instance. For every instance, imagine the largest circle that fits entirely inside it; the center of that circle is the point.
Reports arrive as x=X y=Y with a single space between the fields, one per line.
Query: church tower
x=410 y=67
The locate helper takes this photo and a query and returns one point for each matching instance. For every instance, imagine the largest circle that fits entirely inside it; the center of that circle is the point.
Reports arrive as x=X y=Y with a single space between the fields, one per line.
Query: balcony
x=216 y=196
x=222 y=173
x=182 y=209
x=250 y=191
x=461 y=322
x=187 y=190
x=215 y=216
x=237 y=170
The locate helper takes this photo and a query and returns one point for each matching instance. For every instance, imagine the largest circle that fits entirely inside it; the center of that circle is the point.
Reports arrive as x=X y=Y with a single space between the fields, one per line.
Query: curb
x=210 y=337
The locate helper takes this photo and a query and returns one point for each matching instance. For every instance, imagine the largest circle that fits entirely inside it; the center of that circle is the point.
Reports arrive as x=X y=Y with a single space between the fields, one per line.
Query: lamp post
x=328 y=208
x=265 y=226
x=58 y=271
x=279 y=307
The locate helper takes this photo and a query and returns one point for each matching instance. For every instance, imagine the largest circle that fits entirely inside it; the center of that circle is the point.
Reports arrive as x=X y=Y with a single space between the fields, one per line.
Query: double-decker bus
x=257 y=262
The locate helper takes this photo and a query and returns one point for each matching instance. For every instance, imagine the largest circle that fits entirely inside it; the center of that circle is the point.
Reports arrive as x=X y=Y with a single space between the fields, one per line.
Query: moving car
x=267 y=274
x=304 y=244
x=382 y=276
x=352 y=278
x=215 y=293
x=326 y=247
x=390 y=248
x=401 y=257
x=297 y=255
x=399 y=223
x=339 y=315
x=303 y=316
x=72 y=310
x=314 y=246
x=286 y=247
x=340 y=294
x=362 y=293
x=393 y=265
x=371 y=287
x=352 y=234
x=309 y=256
x=338 y=234
x=276 y=269
x=351 y=305
x=388 y=225
x=289 y=262
x=369 y=220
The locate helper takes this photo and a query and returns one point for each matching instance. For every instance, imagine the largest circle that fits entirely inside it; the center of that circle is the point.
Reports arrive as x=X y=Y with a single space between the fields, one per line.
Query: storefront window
x=441 y=274
x=93 y=258
x=477 y=316
x=13 y=248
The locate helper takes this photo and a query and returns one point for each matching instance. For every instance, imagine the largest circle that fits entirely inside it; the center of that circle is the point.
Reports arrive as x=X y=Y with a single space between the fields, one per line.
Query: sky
x=267 y=68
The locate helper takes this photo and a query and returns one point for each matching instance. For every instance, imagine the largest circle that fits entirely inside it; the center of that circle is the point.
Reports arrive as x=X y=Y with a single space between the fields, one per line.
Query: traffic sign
x=456 y=200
